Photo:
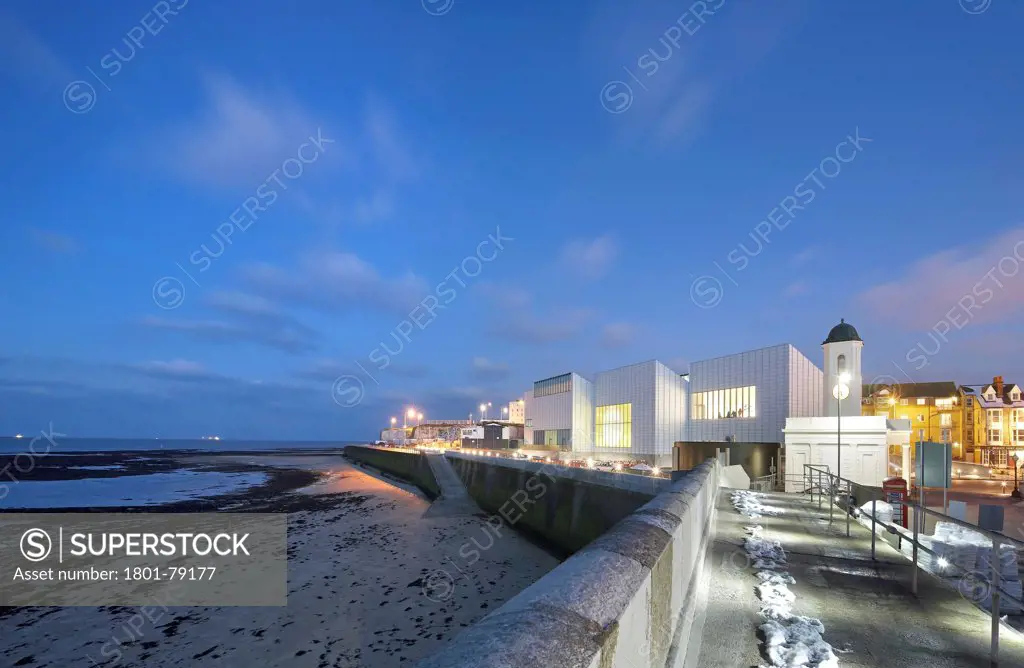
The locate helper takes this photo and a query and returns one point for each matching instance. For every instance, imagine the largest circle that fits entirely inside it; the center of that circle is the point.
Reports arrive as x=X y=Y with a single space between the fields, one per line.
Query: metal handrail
x=921 y=512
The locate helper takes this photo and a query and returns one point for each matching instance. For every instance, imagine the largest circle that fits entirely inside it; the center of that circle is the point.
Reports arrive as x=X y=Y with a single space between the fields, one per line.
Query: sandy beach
x=373 y=581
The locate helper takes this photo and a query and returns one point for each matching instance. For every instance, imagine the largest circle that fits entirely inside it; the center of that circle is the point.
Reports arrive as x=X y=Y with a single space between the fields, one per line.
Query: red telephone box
x=895 y=491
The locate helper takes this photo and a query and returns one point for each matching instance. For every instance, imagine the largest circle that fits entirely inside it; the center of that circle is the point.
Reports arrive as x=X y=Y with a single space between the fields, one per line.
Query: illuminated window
x=735 y=402
x=613 y=426
x=922 y=401
x=995 y=436
x=946 y=419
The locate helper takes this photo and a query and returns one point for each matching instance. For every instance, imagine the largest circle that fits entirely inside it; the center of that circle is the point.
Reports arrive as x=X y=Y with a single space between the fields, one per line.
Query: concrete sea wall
x=409 y=466
x=566 y=507
x=635 y=597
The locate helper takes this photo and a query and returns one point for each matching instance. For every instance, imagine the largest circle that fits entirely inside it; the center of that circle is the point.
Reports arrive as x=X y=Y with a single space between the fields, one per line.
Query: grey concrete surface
x=870 y=615
x=454 y=500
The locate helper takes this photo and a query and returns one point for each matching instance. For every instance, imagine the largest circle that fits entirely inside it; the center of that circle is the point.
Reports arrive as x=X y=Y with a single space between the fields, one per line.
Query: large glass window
x=613 y=426
x=735 y=402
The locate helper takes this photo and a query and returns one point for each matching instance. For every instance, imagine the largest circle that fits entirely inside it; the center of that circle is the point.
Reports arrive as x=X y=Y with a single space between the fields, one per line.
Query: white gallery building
x=642 y=411
x=766 y=397
x=633 y=412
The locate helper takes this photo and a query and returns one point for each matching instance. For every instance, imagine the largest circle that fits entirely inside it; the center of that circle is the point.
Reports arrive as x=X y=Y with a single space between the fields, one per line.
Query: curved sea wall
x=635 y=596
x=409 y=466
x=567 y=507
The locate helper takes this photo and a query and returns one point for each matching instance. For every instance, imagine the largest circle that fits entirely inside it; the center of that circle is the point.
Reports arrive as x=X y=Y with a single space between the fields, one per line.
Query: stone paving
x=871 y=617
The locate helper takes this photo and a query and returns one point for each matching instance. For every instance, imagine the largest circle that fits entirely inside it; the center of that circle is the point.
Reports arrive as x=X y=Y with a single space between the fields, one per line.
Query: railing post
x=917 y=520
x=872 y=529
x=831 y=498
x=996 y=566
x=849 y=500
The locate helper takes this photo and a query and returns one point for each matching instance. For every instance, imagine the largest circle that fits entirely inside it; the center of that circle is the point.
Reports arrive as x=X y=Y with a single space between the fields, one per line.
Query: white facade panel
x=806 y=386
x=766 y=369
x=814 y=440
x=657 y=396
x=582 y=414
x=553 y=411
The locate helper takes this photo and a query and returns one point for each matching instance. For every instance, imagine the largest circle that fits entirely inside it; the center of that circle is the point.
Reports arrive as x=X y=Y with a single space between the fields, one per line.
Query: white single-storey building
x=851 y=445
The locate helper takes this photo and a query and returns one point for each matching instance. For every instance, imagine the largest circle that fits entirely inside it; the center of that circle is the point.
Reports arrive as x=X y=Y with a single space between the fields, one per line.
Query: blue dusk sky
x=289 y=220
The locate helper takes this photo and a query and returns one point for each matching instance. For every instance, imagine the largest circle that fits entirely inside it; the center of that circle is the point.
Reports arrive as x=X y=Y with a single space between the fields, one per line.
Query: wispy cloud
x=806 y=255
x=54 y=242
x=541 y=328
x=505 y=296
x=617 y=334
x=388 y=149
x=178 y=369
x=238 y=137
x=27 y=56
x=796 y=289
x=291 y=338
x=485 y=369
x=334 y=280
x=327 y=370
x=590 y=259
x=983 y=284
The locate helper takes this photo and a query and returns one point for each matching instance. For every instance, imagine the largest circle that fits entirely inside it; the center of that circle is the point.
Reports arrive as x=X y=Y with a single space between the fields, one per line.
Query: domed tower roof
x=844 y=331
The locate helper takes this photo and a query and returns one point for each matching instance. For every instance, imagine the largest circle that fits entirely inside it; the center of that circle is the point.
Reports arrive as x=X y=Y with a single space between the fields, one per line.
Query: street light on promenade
x=840 y=391
x=1016 y=490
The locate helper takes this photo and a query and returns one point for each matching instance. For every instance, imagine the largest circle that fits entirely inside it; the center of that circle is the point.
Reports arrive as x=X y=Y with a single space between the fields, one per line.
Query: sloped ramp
x=454 y=500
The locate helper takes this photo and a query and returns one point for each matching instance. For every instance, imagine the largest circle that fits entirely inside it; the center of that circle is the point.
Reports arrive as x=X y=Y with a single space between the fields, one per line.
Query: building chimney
x=998 y=382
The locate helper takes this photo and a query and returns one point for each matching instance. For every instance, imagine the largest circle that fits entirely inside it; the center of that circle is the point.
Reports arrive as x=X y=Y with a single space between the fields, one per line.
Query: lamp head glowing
x=411 y=412
x=483 y=407
x=419 y=416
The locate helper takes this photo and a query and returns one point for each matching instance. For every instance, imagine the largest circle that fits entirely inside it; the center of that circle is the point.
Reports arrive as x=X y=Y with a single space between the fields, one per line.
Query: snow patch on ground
x=791 y=641
x=749 y=504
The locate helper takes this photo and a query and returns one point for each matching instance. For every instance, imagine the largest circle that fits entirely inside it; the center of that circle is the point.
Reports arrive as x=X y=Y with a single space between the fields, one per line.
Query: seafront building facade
x=746 y=398
x=998 y=416
x=645 y=411
x=936 y=412
x=633 y=412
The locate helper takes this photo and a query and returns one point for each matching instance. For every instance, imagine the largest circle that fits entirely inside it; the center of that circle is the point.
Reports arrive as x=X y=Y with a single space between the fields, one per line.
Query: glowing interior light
x=942 y=562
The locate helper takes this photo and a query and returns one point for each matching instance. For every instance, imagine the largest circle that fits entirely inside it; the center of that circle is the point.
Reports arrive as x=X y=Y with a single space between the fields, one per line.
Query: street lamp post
x=840 y=392
x=1016 y=490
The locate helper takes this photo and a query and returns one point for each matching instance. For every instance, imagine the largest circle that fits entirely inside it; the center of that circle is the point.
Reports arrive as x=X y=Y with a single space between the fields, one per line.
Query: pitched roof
x=1004 y=400
x=940 y=389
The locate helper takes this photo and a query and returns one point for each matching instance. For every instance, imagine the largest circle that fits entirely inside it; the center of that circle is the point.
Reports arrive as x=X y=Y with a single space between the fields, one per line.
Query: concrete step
x=454 y=500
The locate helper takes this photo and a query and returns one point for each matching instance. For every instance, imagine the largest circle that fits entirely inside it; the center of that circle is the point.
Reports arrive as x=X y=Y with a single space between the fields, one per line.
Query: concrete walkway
x=454 y=500
x=870 y=616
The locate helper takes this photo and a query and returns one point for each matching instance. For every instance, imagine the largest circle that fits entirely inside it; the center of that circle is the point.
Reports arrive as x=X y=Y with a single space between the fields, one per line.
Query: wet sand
x=372 y=582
